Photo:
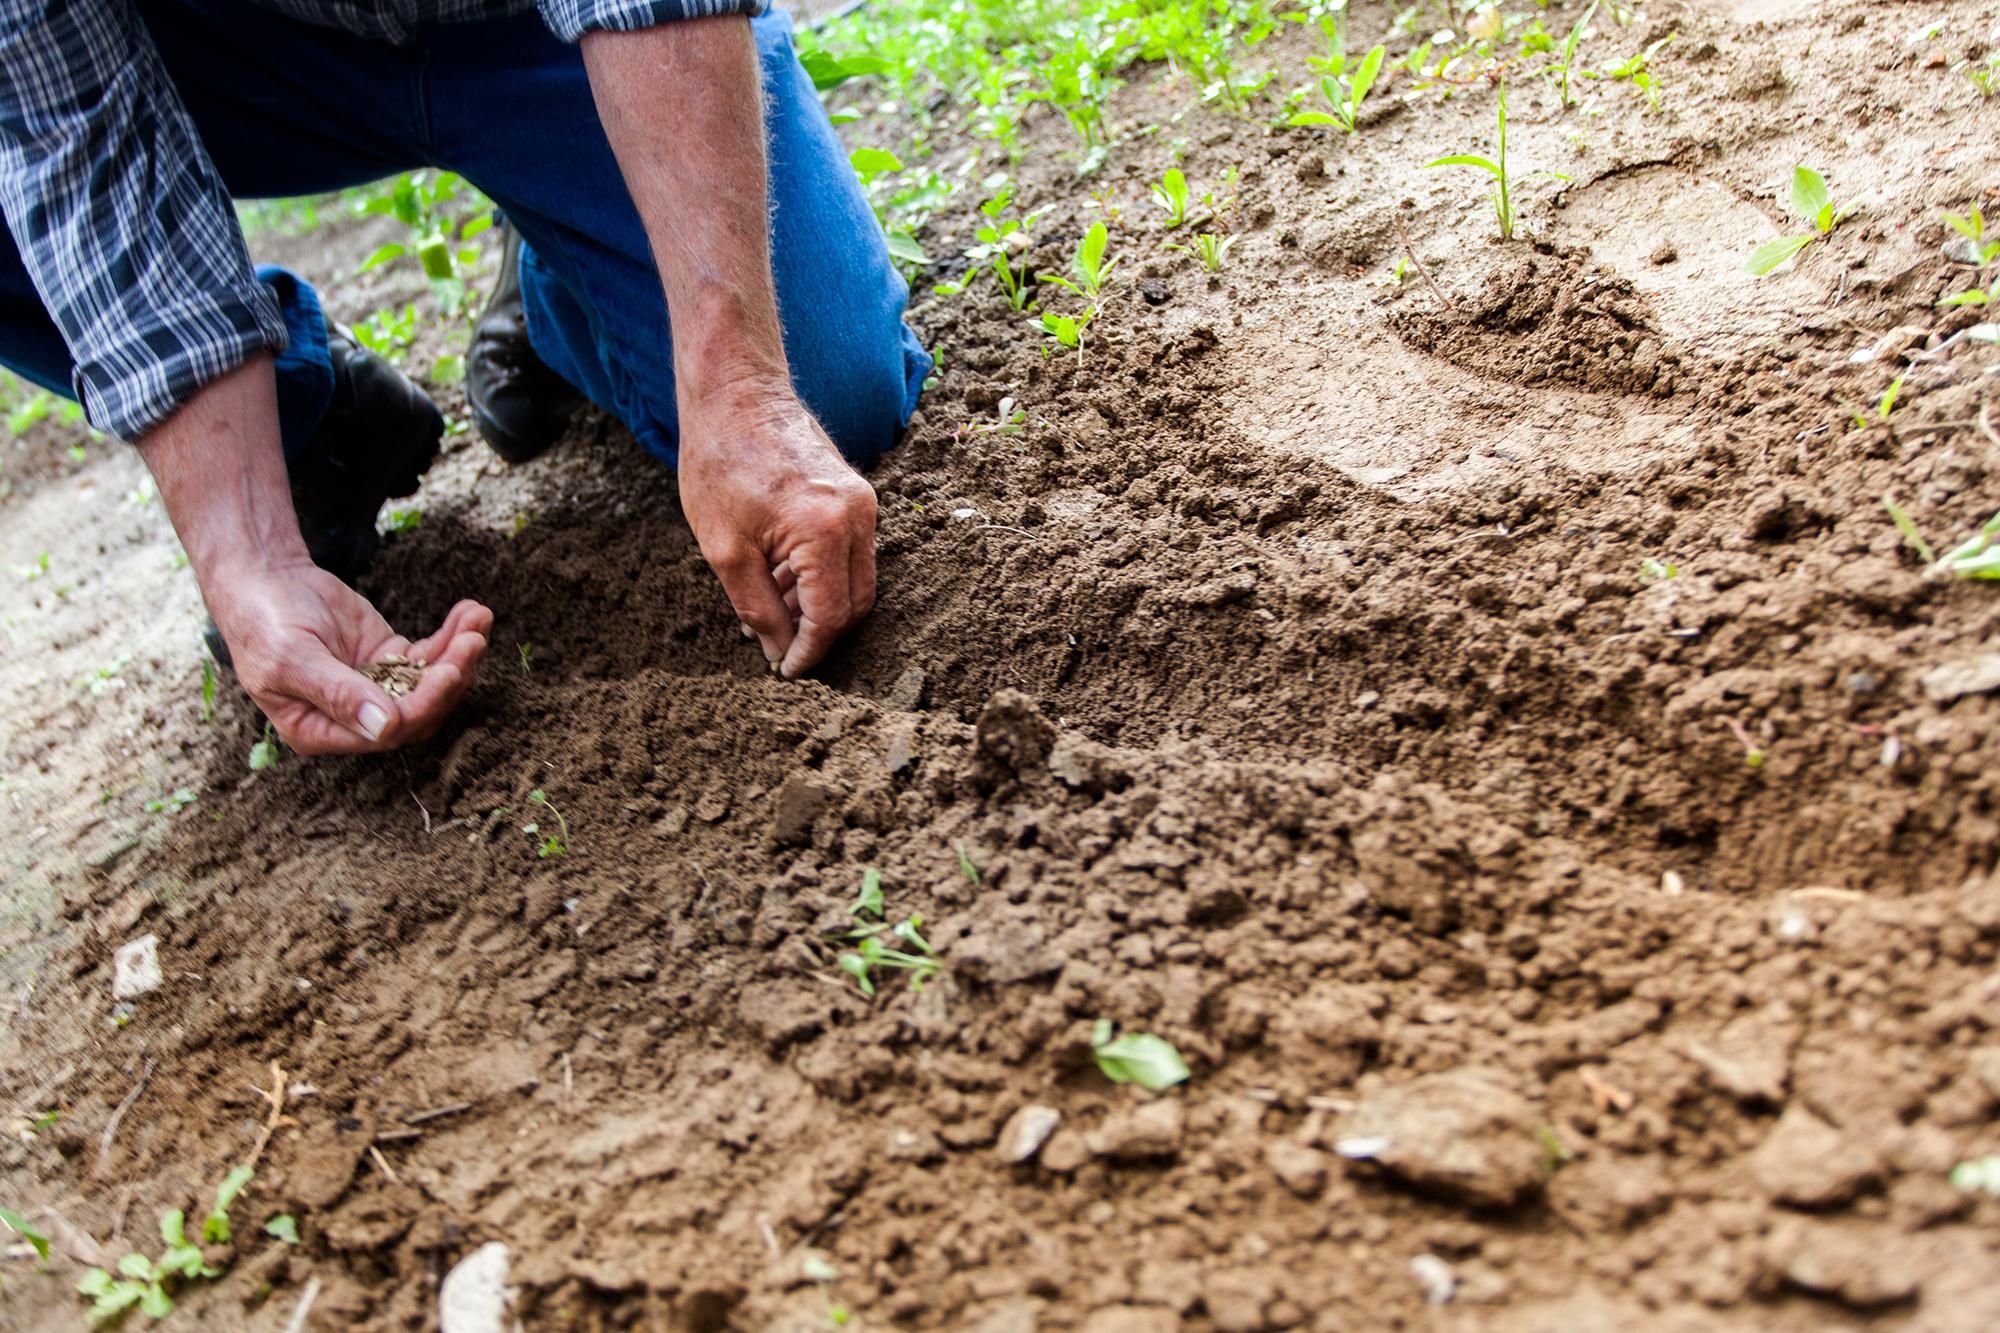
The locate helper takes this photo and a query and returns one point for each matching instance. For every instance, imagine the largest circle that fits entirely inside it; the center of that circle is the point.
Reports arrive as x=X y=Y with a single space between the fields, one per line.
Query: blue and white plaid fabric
x=122 y=219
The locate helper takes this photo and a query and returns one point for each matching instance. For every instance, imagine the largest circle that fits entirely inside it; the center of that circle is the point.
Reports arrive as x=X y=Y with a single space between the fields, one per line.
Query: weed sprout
x=1503 y=198
x=1813 y=203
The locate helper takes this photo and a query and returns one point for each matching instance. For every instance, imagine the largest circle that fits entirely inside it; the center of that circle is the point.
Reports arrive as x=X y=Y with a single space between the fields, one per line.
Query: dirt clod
x=1466 y=1134
x=1151 y=1130
x=1807 y=1162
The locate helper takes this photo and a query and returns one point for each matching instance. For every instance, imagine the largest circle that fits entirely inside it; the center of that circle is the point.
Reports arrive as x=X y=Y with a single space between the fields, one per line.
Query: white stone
x=135 y=968
x=475 y=1295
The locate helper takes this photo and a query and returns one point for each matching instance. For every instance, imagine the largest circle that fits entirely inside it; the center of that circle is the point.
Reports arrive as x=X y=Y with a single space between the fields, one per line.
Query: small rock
x=1746 y=1060
x=913 y=1145
x=1954 y=680
x=1465 y=1134
x=1066 y=1152
x=1434 y=1279
x=1862 y=1267
x=1807 y=1162
x=1026 y=1131
x=1151 y=1130
x=1012 y=732
x=799 y=802
x=1132 y=1319
x=907 y=694
x=1663 y=253
x=474 y=1295
x=1961 y=250
x=1300 y=1169
x=135 y=968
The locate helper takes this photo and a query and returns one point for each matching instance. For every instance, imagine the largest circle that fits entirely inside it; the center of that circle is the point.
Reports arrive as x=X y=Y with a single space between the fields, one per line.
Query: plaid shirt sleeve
x=120 y=216
x=571 y=19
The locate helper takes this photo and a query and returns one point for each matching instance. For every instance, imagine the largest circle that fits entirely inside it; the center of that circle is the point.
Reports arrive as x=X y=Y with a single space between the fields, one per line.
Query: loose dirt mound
x=1610 y=947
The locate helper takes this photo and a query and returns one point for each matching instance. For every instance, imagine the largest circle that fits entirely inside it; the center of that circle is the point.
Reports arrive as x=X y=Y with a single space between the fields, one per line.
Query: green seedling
x=1092 y=270
x=1001 y=239
x=1554 y=1152
x=100 y=680
x=448 y=369
x=1209 y=248
x=38 y=569
x=552 y=844
x=966 y=868
x=1972 y=226
x=1565 y=69
x=1066 y=329
x=1977 y=557
x=526 y=650
x=267 y=751
x=17 y=1224
x=444 y=216
x=1883 y=406
x=144 y=1282
x=1638 y=71
x=179 y=799
x=1172 y=195
x=1813 y=203
x=1344 y=91
x=1503 y=194
x=1978 y=1173
x=283 y=1227
x=1137 y=1057
x=1657 y=571
x=1985 y=74
x=402 y=520
x=388 y=334
x=207 y=690
x=869 y=952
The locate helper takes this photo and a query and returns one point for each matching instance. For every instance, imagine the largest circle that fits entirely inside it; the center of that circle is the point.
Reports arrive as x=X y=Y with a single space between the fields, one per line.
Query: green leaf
x=173 y=1227
x=381 y=255
x=870 y=900
x=136 y=1265
x=828 y=71
x=1908 y=527
x=869 y=163
x=95 y=1282
x=115 y=1300
x=857 y=967
x=284 y=1227
x=1773 y=254
x=1465 y=160
x=1139 y=1057
x=1971 y=296
x=1810 y=196
x=18 y=1224
x=904 y=246
x=1364 y=79
x=475 y=226
x=231 y=1186
x=156 y=1303
x=1313 y=118
x=965 y=866
x=1090 y=254
x=448 y=369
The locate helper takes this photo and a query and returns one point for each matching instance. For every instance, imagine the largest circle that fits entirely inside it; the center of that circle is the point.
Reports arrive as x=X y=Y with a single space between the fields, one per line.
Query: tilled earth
x=1599 y=948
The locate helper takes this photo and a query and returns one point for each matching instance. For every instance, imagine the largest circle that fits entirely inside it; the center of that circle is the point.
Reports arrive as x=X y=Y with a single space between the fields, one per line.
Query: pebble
x=1434 y=1278
x=135 y=968
x=1151 y=1130
x=1026 y=1131
x=1807 y=1162
x=474 y=1296
x=1465 y=1134
x=1954 y=680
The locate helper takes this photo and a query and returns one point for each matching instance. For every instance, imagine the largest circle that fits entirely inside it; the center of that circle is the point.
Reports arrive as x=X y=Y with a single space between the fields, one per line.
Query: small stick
x=382 y=1164
x=277 y=1120
x=418 y=1117
x=1422 y=272
x=398 y=1135
x=297 y=1323
x=569 y=1078
x=426 y=814
x=111 y=1125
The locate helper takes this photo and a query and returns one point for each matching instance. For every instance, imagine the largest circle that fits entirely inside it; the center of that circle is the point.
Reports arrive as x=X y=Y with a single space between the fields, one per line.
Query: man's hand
x=296 y=635
x=786 y=524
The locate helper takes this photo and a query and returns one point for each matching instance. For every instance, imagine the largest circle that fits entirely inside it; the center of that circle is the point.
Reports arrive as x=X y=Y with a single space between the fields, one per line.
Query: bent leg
x=511 y=109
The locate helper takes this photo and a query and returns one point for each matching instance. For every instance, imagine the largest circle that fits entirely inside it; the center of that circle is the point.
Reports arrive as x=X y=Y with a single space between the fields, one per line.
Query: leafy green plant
x=1565 y=69
x=526 y=650
x=1000 y=238
x=175 y=801
x=267 y=751
x=1978 y=1173
x=552 y=844
x=1972 y=226
x=444 y=215
x=34 y=571
x=1209 y=248
x=14 y=1222
x=283 y=1227
x=387 y=333
x=1985 y=74
x=1172 y=195
x=966 y=868
x=870 y=952
x=1502 y=196
x=1344 y=91
x=1883 y=406
x=1813 y=203
x=1136 y=1057
x=1091 y=268
x=1977 y=557
x=402 y=520
x=144 y=1282
x=1638 y=71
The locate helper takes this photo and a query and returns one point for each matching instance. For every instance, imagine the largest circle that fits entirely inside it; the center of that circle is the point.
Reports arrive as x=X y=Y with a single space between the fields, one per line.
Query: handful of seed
x=396 y=674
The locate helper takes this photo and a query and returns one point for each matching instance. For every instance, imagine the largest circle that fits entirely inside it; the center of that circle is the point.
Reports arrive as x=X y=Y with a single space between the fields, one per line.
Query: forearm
x=221 y=473
x=682 y=105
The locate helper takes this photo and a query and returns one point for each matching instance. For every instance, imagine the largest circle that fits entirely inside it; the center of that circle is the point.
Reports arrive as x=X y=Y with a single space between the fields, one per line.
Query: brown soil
x=1291 y=683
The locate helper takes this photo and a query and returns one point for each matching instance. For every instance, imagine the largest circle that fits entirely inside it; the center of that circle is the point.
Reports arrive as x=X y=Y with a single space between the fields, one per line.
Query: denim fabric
x=285 y=108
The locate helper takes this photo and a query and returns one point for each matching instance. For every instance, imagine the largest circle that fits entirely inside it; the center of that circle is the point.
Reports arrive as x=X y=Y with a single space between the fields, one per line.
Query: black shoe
x=520 y=406
x=378 y=437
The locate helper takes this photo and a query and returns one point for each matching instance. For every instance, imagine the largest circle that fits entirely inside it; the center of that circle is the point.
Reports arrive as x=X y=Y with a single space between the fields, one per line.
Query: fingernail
x=371 y=720
x=748 y=633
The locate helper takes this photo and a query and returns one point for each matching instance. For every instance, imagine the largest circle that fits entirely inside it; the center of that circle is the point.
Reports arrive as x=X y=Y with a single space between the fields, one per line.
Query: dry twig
x=1418 y=264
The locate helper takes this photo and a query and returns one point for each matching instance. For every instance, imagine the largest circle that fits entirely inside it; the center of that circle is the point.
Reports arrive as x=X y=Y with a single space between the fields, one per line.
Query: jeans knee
x=864 y=403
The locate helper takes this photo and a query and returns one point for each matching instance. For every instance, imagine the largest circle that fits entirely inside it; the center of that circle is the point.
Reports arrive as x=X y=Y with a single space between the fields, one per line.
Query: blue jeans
x=286 y=108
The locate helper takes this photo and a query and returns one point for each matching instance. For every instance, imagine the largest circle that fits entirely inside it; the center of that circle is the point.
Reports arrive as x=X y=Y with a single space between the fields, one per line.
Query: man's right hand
x=297 y=636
